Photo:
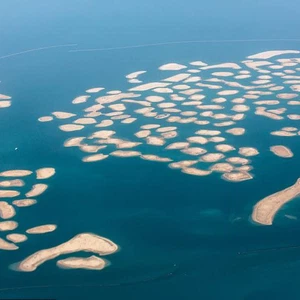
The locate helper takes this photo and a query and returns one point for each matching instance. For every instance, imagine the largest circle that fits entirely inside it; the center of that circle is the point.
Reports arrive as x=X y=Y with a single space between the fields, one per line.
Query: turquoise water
x=180 y=236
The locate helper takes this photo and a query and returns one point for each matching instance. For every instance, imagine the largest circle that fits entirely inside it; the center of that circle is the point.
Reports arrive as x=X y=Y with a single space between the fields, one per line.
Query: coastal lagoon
x=148 y=229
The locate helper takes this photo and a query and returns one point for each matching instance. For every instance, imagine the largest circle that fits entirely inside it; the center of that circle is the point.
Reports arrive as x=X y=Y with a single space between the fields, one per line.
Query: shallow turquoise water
x=179 y=235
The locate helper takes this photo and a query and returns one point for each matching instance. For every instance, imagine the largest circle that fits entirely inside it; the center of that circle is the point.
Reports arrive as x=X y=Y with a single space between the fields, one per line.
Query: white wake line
x=185 y=42
x=37 y=49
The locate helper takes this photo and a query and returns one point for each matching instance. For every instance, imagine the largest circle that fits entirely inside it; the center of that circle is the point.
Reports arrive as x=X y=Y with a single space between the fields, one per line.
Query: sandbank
x=155 y=98
x=45 y=173
x=8 y=225
x=149 y=86
x=80 y=99
x=122 y=153
x=283 y=133
x=248 y=151
x=166 y=105
x=7 y=211
x=236 y=131
x=4 y=245
x=134 y=75
x=210 y=106
x=293 y=117
x=163 y=90
x=70 y=127
x=294 y=102
x=169 y=134
x=94 y=90
x=181 y=87
x=222 y=167
x=265 y=210
x=8 y=193
x=219 y=100
x=238 y=160
x=155 y=141
x=197 y=140
x=15 y=173
x=282 y=151
x=240 y=108
x=172 y=67
x=102 y=134
x=41 y=229
x=4 y=97
x=286 y=96
x=5 y=104
x=222 y=74
x=150 y=126
x=112 y=98
x=45 y=119
x=165 y=129
x=267 y=102
x=195 y=171
x=224 y=124
x=155 y=158
x=177 y=145
x=190 y=92
x=216 y=139
x=144 y=110
x=212 y=157
x=16 y=237
x=228 y=92
x=142 y=133
x=95 y=157
x=238 y=100
x=90 y=263
x=270 y=54
x=127 y=144
x=182 y=164
x=224 y=148
x=91 y=148
x=177 y=78
x=289 y=128
x=105 y=123
x=128 y=120
x=93 y=108
x=12 y=183
x=37 y=189
x=237 y=176
x=86 y=242
x=117 y=107
x=24 y=202
x=85 y=121
x=238 y=117
x=261 y=111
x=188 y=113
x=74 y=142
x=63 y=115
x=208 y=132
x=194 y=151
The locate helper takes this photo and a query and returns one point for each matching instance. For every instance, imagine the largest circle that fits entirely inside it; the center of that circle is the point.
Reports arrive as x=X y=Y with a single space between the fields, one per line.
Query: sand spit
x=80 y=99
x=177 y=145
x=7 y=246
x=194 y=151
x=95 y=157
x=224 y=148
x=195 y=171
x=86 y=242
x=12 y=183
x=41 y=229
x=155 y=158
x=172 y=67
x=212 y=157
x=6 y=210
x=37 y=189
x=9 y=194
x=70 y=127
x=45 y=119
x=8 y=225
x=90 y=263
x=122 y=153
x=208 y=132
x=283 y=133
x=15 y=173
x=16 y=237
x=237 y=176
x=282 y=151
x=94 y=90
x=74 y=142
x=222 y=167
x=62 y=115
x=265 y=210
x=45 y=173
x=236 y=131
x=155 y=141
x=134 y=75
x=270 y=54
x=248 y=151
x=24 y=202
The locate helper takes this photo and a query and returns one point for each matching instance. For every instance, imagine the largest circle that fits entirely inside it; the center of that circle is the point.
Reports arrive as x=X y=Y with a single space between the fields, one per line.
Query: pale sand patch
x=80 y=99
x=194 y=151
x=155 y=98
x=224 y=65
x=238 y=117
x=219 y=100
x=220 y=116
x=114 y=92
x=177 y=145
x=193 y=71
x=228 y=92
x=190 y=92
x=165 y=129
x=177 y=78
x=16 y=237
x=108 y=141
x=240 y=108
x=41 y=229
x=216 y=139
x=222 y=74
x=238 y=160
x=289 y=128
x=12 y=183
x=198 y=63
x=266 y=102
x=169 y=134
x=144 y=110
x=5 y=104
x=156 y=158
x=105 y=123
x=150 y=114
x=134 y=75
x=117 y=107
x=9 y=193
x=163 y=90
x=171 y=110
x=74 y=142
x=265 y=210
x=242 y=76
x=237 y=176
x=166 y=105
x=181 y=87
x=197 y=140
x=195 y=171
x=261 y=81
x=212 y=157
x=121 y=117
x=210 y=106
x=261 y=111
x=90 y=263
x=15 y=173
x=224 y=148
x=294 y=102
x=113 y=98
x=122 y=153
x=63 y=115
x=188 y=113
x=286 y=96
x=102 y=134
x=248 y=151
x=24 y=202
x=210 y=86
x=7 y=211
x=155 y=141
x=270 y=54
x=142 y=133
x=94 y=90
x=37 y=189
x=150 y=126
x=86 y=242
x=173 y=119
x=4 y=245
x=95 y=157
x=8 y=225
x=127 y=145
x=85 y=121
x=264 y=77
x=175 y=97
x=222 y=167
x=140 y=102
x=45 y=119
x=236 y=131
x=276 y=88
x=238 y=100
x=70 y=127
x=182 y=164
x=90 y=148
x=293 y=117
x=128 y=120
x=191 y=103
x=162 y=116
x=93 y=108
x=282 y=151
x=206 y=132
x=149 y=86
x=283 y=133
x=253 y=97
x=224 y=124
x=244 y=168
x=256 y=64
x=207 y=114
x=172 y=67
x=197 y=97
x=45 y=173
x=4 y=97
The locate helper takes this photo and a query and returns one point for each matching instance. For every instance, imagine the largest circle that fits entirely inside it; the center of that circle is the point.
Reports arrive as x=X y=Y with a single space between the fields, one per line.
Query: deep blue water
x=179 y=234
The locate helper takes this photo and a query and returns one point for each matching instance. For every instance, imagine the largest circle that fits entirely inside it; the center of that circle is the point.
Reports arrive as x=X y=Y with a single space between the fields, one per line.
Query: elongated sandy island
x=91 y=263
x=265 y=210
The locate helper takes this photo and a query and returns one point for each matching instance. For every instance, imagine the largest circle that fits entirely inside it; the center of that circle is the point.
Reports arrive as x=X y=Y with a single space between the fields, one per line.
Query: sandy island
x=12 y=183
x=195 y=171
x=37 y=189
x=86 y=242
x=282 y=151
x=237 y=176
x=248 y=151
x=194 y=151
x=8 y=193
x=236 y=131
x=8 y=225
x=222 y=167
x=122 y=153
x=63 y=115
x=80 y=99
x=70 y=127
x=156 y=158
x=16 y=237
x=45 y=119
x=24 y=202
x=16 y=173
x=41 y=229
x=265 y=210
x=4 y=245
x=90 y=263
x=95 y=157
x=7 y=211
x=45 y=173
x=212 y=157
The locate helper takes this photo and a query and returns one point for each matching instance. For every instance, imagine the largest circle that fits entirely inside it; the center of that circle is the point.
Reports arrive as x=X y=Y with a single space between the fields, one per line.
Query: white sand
x=42 y=229
x=7 y=211
x=195 y=171
x=197 y=140
x=80 y=99
x=212 y=157
x=172 y=67
x=85 y=121
x=224 y=148
x=270 y=54
x=90 y=263
x=94 y=90
x=45 y=173
x=4 y=245
x=236 y=131
x=63 y=115
x=156 y=158
x=24 y=202
x=45 y=119
x=222 y=167
x=8 y=193
x=122 y=153
x=177 y=77
x=282 y=151
x=194 y=151
x=16 y=237
x=12 y=183
x=103 y=134
x=177 y=145
x=149 y=86
x=155 y=141
x=8 y=225
x=5 y=104
x=70 y=127
x=134 y=75
x=237 y=176
x=74 y=142
x=37 y=189
x=248 y=151
x=238 y=160
x=15 y=173
x=208 y=132
x=95 y=157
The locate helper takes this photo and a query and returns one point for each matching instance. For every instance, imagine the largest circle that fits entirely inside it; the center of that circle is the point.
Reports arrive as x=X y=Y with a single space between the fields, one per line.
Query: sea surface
x=180 y=236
